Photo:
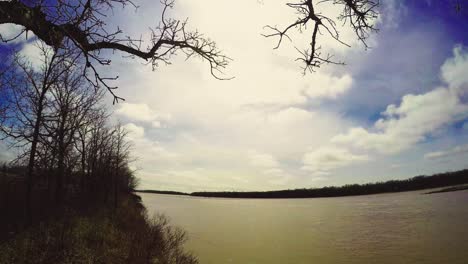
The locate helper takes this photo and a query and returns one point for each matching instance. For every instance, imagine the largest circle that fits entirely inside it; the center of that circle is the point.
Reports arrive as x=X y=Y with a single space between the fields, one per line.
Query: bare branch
x=359 y=14
x=79 y=25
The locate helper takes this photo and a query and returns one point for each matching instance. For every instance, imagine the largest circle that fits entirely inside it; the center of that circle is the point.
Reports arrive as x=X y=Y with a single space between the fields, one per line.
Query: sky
x=396 y=110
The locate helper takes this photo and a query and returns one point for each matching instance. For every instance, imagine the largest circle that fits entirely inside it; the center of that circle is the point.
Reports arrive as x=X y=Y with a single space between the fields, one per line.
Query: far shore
x=450 y=189
x=441 y=180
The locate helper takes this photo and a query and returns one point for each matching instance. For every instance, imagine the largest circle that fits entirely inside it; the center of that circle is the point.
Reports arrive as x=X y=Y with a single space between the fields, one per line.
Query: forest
x=67 y=195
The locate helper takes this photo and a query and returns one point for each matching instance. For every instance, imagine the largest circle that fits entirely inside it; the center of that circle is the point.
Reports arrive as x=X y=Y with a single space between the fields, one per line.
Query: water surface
x=387 y=228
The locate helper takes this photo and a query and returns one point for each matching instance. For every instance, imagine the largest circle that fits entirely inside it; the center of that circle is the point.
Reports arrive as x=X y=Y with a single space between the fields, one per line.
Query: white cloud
x=321 y=161
x=262 y=160
x=135 y=132
x=269 y=107
x=329 y=86
x=6 y=154
x=447 y=153
x=213 y=124
x=454 y=70
x=147 y=152
x=417 y=116
x=191 y=132
x=11 y=32
x=141 y=112
x=138 y=112
x=34 y=52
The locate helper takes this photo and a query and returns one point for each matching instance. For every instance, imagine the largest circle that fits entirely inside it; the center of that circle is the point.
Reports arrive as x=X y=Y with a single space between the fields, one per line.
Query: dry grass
x=125 y=235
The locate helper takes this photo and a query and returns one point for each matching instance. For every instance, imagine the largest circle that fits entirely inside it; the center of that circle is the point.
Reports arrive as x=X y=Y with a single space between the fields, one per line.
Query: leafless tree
x=360 y=15
x=26 y=104
x=72 y=101
x=80 y=25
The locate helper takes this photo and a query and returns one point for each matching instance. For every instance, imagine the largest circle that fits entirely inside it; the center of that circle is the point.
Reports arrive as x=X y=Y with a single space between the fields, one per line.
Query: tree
x=80 y=26
x=25 y=106
x=360 y=15
x=51 y=113
x=72 y=102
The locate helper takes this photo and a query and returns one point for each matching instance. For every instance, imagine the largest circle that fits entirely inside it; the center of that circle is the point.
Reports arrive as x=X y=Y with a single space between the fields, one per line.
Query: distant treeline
x=163 y=192
x=412 y=184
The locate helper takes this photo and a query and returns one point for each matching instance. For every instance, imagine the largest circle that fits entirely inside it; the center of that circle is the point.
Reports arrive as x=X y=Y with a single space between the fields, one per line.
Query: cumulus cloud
x=321 y=161
x=190 y=131
x=269 y=108
x=214 y=124
x=417 y=116
x=454 y=70
x=447 y=153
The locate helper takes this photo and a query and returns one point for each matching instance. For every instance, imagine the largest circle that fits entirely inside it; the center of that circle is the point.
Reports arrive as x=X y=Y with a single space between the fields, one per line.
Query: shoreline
x=448 y=180
x=450 y=189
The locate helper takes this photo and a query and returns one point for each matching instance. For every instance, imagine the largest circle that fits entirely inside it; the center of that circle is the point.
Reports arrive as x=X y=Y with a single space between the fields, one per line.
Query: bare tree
x=121 y=155
x=80 y=25
x=72 y=103
x=360 y=15
x=26 y=106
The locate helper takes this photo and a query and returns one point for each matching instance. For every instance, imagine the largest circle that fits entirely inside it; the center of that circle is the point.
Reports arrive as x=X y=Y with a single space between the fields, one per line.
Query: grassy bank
x=99 y=235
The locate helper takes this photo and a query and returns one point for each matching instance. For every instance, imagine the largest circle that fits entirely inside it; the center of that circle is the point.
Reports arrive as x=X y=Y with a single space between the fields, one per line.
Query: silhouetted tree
x=72 y=102
x=360 y=15
x=80 y=25
x=26 y=104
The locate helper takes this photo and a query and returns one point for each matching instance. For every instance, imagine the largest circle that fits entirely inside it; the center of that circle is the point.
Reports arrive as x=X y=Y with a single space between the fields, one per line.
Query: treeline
x=415 y=183
x=54 y=119
x=68 y=195
x=162 y=192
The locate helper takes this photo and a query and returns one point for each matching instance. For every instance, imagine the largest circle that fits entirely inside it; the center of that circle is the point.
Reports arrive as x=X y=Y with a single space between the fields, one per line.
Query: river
x=392 y=228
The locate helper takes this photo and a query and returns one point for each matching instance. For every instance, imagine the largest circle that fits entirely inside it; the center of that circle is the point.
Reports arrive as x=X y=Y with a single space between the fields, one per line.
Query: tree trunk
x=32 y=156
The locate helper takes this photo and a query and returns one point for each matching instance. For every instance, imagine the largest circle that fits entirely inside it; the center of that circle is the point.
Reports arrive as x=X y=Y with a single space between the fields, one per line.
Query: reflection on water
x=387 y=228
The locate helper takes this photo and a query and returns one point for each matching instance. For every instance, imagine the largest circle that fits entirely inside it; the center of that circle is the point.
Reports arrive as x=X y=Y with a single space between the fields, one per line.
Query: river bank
x=101 y=235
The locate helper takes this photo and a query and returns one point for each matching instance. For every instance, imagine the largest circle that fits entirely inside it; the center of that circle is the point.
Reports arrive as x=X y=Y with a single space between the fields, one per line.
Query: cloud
x=454 y=70
x=6 y=154
x=325 y=159
x=447 y=153
x=270 y=127
x=417 y=116
x=146 y=151
x=141 y=112
x=329 y=86
x=214 y=124
x=11 y=32
x=262 y=160
x=34 y=51
x=135 y=132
